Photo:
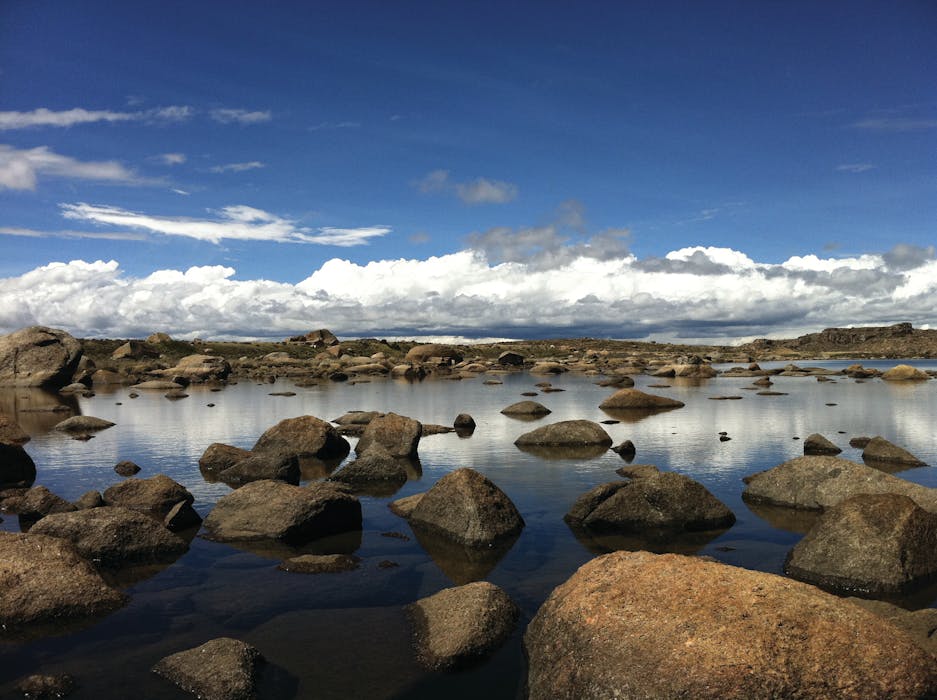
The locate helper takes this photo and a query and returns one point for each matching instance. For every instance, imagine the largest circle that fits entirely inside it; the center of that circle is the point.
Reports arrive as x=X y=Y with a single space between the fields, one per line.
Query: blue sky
x=648 y=169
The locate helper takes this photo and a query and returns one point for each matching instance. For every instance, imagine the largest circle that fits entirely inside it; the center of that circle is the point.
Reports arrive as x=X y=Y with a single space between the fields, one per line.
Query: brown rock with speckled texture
x=304 y=436
x=221 y=669
x=398 y=435
x=640 y=625
x=634 y=398
x=38 y=356
x=878 y=449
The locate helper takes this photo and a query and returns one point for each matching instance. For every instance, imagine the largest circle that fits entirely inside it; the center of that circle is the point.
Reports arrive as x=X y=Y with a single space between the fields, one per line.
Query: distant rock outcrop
x=38 y=356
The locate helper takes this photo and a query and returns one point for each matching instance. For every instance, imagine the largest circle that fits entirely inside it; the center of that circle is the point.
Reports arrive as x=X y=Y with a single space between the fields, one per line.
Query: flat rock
x=44 y=580
x=460 y=625
x=320 y=564
x=274 y=510
x=424 y=353
x=656 y=501
x=869 y=544
x=398 y=435
x=38 y=356
x=526 y=408
x=817 y=482
x=113 y=537
x=467 y=508
x=637 y=471
x=304 y=436
x=816 y=444
x=640 y=625
x=878 y=449
x=83 y=424
x=159 y=385
x=567 y=433
x=629 y=398
x=221 y=669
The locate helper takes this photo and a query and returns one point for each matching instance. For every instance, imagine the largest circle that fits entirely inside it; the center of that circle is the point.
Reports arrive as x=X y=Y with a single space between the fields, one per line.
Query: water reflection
x=37 y=410
x=460 y=563
x=659 y=542
x=564 y=451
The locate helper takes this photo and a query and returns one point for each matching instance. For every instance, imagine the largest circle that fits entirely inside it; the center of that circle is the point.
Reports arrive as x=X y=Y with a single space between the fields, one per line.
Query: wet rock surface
x=727 y=633
x=457 y=626
x=220 y=669
x=320 y=564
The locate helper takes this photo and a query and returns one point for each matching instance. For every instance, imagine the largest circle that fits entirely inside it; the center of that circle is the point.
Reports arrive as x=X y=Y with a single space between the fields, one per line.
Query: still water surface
x=345 y=635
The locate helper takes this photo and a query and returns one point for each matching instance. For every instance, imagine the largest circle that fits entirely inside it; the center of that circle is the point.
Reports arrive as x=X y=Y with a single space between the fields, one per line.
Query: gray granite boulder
x=38 y=356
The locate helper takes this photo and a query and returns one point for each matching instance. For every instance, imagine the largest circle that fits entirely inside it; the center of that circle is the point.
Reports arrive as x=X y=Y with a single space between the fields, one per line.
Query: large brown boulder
x=200 y=368
x=322 y=338
x=39 y=502
x=878 y=449
x=113 y=537
x=398 y=435
x=83 y=424
x=634 y=398
x=218 y=456
x=220 y=669
x=467 y=508
x=657 y=501
x=816 y=482
x=816 y=444
x=905 y=373
x=567 y=433
x=374 y=466
x=640 y=625
x=44 y=580
x=38 y=356
x=256 y=467
x=274 y=510
x=157 y=497
x=871 y=544
x=424 y=353
x=458 y=626
x=526 y=408
x=304 y=436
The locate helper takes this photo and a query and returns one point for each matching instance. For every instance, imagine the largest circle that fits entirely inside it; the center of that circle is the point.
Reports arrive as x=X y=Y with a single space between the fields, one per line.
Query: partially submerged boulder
x=878 y=449
x=816 y=482
x=39 y=502
x=127 y=468
x=635 y=624
x=567 y=433
x=11 y=433
x=274 y=510
x=157 y=497
x=816 y=444
x=398 y=435
x=905 y=373
x=17 y=468
x=457 y=626
x=256 y=467
x=526 y=408
x=44 y=580
x=113 y=537
x=220 y=669
x=218 y=456
x=630 y=398
x=200 y=368
x=304 y=436
x=375 y=465
x=656 y=501
x=868 y=544
x=320 y=563
x=38 y=356
x=83 y=424
x=466 y=507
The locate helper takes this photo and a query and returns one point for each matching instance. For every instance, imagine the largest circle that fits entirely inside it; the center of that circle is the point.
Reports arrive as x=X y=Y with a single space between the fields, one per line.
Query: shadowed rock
x=44 y=687
x=44 y=581
x=636 y=399
x=16 y=466
x=467 y=508
x=878 y=449
x=635 y=624
x=398 y=435
x=113 y=537
x=221 y=669
x=375 y=467
x=257 y=467
x=461 y=625
x=38 y=356
x=870 y=544
x=657 y=501
x=11 y=433
x=320 y=564
x=816 y=444
x=815 y=483
x=278 y=511
x=155 y=496
x=305 y=436
x=218 y=456
x=39 y=502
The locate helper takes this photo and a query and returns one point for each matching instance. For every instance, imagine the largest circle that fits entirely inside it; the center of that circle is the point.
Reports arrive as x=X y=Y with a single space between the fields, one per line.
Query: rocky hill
x=896 y=341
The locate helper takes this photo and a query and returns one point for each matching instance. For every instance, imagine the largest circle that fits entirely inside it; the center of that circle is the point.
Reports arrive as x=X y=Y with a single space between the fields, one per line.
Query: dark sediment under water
x=345 y=635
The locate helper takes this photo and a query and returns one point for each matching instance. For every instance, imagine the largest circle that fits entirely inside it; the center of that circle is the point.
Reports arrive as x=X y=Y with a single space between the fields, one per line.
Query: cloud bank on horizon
x=700 y=294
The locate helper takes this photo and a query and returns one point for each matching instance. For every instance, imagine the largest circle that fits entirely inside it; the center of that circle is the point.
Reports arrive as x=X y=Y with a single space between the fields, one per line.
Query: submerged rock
x=127 y=468
x=83 y=424
x=221 y=669
x=870 y=544
x=45 y=581
x=278 y=511
x=467 y=508
x=320 y=564
x=460 y=625
x=656 y=501
x=44 y=687
x=635 y=624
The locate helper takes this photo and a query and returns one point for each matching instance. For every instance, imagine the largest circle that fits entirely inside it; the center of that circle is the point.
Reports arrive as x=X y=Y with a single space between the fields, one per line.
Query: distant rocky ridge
x=898 y=340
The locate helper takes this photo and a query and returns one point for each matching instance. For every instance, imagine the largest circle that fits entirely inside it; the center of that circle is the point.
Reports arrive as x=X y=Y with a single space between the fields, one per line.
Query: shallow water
x=345 y=635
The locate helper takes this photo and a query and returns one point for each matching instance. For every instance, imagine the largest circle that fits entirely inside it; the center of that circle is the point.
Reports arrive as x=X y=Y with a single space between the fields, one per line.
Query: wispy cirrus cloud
x=238 y=222
x=171 y=158
x=240 y=116
x=237 y=167
x=330 y=126
x=895 y=124
x=481 y=190
x=21 y=169
x=854 y=167
x=99 y=235
x=44 y=117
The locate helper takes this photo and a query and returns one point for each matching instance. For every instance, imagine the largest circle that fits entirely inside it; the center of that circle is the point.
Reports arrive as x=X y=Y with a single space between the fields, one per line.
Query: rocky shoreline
x=628 y=624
